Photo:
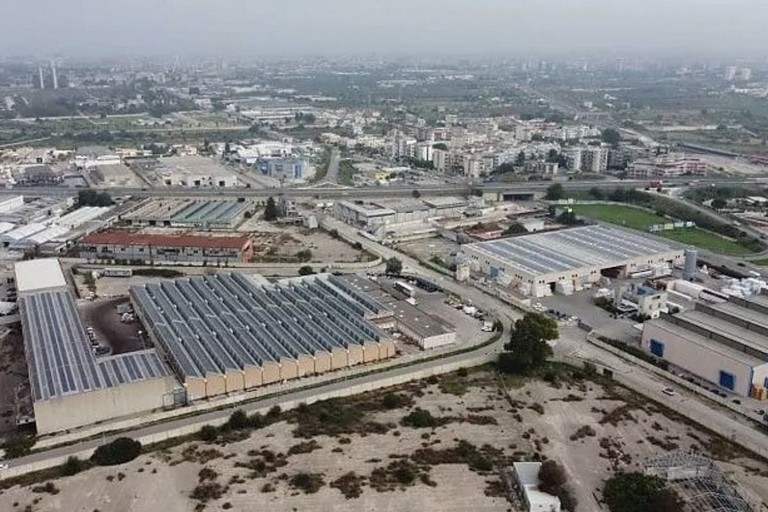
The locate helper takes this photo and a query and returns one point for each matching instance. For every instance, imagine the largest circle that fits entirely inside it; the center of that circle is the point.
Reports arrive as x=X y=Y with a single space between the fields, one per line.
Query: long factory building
x=725 y=342
x=70 y=385
x=568 y=260
x=229 y=332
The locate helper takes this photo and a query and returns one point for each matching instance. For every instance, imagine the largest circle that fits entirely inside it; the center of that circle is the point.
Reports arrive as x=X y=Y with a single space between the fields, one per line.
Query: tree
x=595 y=193
x=270 y=211
x=394 y=266
x=306 y=270
x=528 y=349
x=18 y=445
x=568 y=218
x=416 y=194
x=119 y=451
x=304 y=255
x=636 y=492
x=554 y=480
x=555 y=192
x=520 y=160
x=515 y=229
x=611 y=136
x=719 y=204
x=90 y=197
x=440 y=145
x=227 y=149
x=553 y=155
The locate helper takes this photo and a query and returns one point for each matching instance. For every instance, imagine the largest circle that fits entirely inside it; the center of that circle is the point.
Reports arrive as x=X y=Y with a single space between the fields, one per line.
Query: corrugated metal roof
x=227 y=321
x=134 y=239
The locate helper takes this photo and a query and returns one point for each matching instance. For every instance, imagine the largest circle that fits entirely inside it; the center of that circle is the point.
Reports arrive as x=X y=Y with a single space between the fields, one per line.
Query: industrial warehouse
x=124 y=246
x=568 y=260
x=728 y=337
x=188 y=213
x=70 y=386
x=228 y=332
x=207 y=335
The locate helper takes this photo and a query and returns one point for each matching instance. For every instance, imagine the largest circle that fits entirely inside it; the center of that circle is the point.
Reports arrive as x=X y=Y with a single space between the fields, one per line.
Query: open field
x=639 y=219
x=380 y=451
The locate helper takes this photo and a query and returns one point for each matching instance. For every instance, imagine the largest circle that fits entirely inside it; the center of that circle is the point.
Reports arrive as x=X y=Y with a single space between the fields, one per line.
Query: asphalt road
x=332 y=176
x=572 y=343
x=374 y=191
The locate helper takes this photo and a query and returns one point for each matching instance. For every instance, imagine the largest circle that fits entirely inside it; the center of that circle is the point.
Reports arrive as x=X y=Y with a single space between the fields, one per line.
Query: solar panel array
x=227 y=321
x=210 y=211
x=559 y=251
x=59 y=355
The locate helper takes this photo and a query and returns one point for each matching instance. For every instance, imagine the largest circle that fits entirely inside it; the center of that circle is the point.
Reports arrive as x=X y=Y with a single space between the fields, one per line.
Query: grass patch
x=622 y=215
x=347 y=172
x=640 y=220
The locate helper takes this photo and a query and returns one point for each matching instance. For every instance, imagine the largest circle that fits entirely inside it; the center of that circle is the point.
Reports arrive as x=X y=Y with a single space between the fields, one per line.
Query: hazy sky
x=267 y=27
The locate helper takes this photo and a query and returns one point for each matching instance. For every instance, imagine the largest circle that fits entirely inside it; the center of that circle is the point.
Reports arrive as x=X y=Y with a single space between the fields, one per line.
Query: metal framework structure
x=699 y=482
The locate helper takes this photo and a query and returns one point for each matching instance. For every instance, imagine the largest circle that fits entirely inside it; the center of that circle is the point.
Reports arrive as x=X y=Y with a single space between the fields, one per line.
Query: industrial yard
x=373 y=454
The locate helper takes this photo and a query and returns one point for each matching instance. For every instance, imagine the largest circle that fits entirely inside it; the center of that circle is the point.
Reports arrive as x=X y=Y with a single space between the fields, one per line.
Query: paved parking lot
x=580 y=305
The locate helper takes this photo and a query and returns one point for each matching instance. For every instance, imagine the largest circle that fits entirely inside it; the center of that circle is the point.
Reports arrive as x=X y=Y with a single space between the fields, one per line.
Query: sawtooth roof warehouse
x=568 y=260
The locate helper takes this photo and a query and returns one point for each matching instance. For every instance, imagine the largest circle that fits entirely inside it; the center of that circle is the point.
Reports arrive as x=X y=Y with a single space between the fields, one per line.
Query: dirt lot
x=365 y=448
x=13 y=372
x=429 y=247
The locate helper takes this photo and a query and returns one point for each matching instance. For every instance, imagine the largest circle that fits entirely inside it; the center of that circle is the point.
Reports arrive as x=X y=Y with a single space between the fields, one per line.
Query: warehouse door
x=727 y=380
x=657 y=348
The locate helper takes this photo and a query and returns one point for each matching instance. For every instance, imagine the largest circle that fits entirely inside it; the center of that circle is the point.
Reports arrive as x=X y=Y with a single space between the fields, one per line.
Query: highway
x=521 y=188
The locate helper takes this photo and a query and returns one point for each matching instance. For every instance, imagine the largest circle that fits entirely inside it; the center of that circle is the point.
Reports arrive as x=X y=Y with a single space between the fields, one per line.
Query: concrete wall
x=438 y=341
x=66 y=412
x=697 y=359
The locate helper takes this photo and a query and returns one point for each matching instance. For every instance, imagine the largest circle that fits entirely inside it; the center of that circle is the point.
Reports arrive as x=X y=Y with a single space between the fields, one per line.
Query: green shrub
x=420 y=418
x=208 y=433
x=119 y=451
x=72 y=466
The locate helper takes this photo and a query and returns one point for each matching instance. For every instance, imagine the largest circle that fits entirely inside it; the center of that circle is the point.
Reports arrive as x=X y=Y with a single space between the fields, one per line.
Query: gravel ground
x=524 y=421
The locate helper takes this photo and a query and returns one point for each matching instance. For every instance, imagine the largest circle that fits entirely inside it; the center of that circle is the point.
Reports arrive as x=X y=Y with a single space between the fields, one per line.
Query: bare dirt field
x=13 y=372
x=432 y=445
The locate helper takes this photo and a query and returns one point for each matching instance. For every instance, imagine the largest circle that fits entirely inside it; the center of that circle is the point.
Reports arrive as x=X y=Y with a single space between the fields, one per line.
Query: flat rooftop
x=41 y=274
x=194 y=165
x=568 y=249
x=742 y=313
x=420 y=322
x=726 y=329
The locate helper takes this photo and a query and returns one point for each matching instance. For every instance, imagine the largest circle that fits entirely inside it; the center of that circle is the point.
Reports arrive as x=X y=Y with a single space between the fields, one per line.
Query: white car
x=3 y=466
x=668 y=391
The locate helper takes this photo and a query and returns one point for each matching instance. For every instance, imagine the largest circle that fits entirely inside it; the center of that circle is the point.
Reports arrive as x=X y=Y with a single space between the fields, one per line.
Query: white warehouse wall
x=704 y=361
x=72 y=411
